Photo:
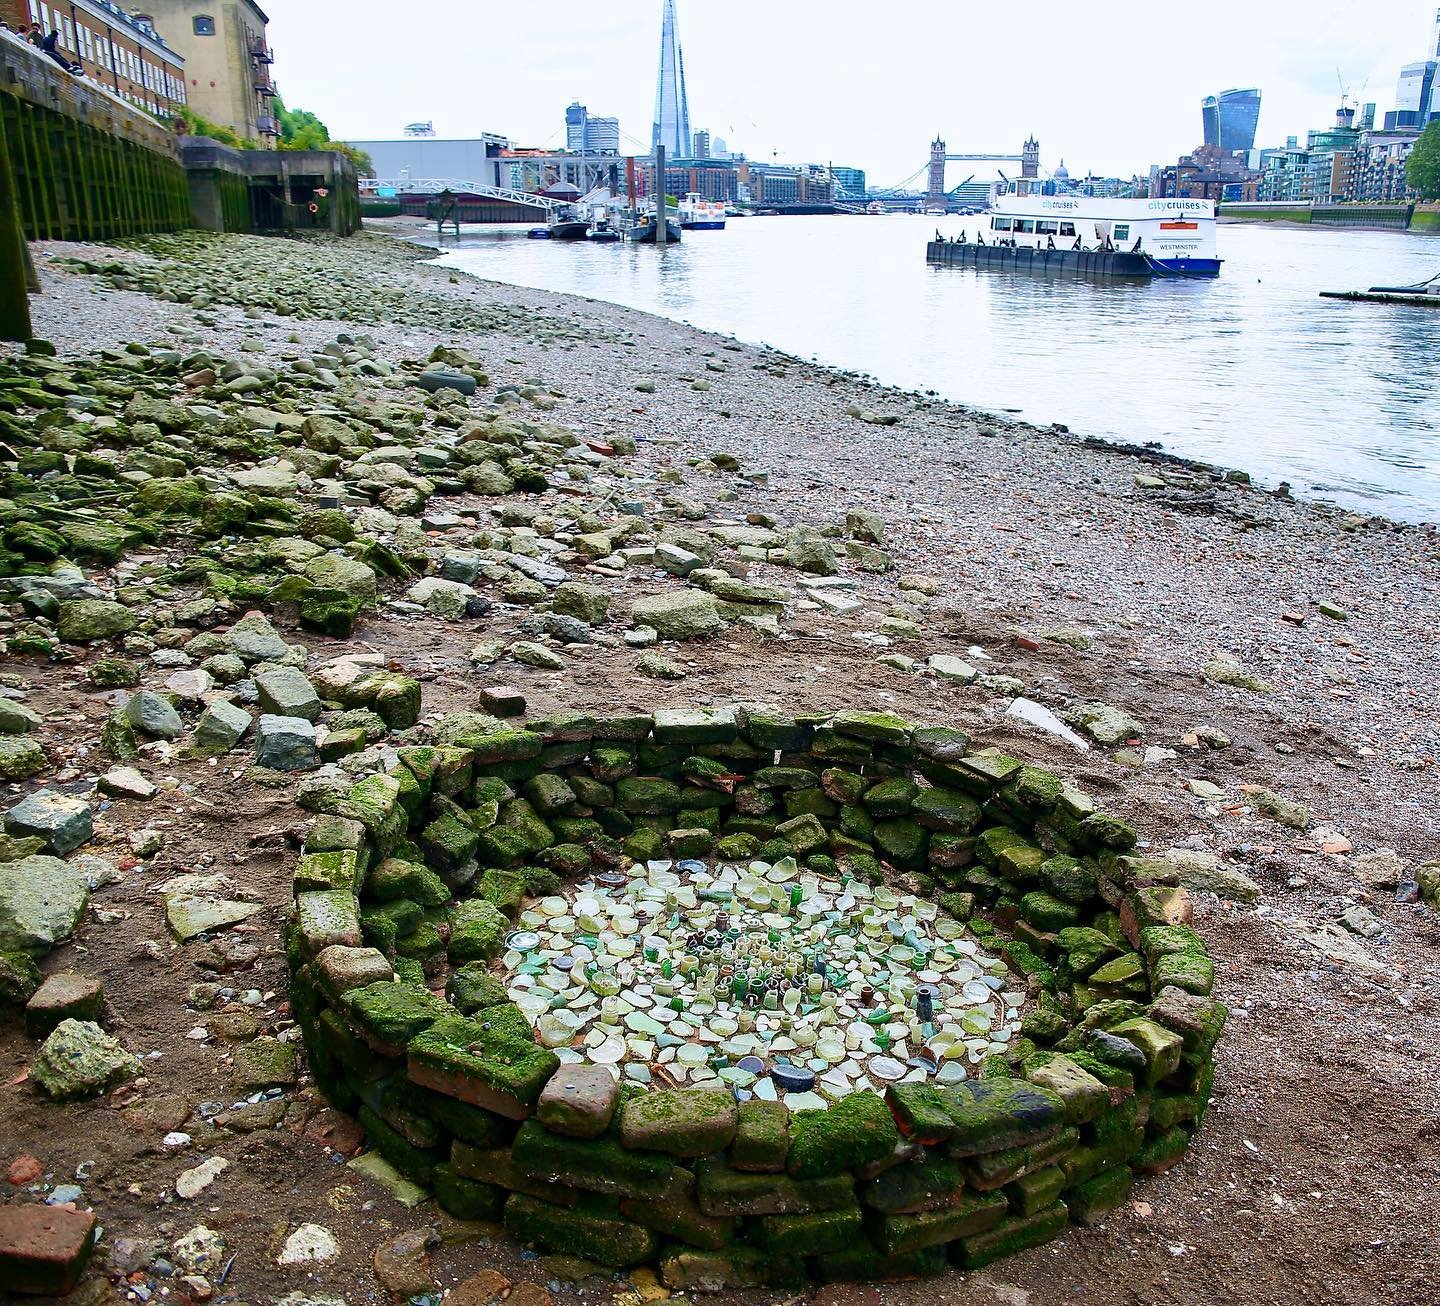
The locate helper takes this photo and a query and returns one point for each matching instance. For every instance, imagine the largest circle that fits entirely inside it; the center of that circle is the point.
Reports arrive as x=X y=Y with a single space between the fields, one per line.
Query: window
x=204 y=25
x=999 y=224
x=1025 y=226
x=1067 y=228
x=1122 y=231
x=1047 y=228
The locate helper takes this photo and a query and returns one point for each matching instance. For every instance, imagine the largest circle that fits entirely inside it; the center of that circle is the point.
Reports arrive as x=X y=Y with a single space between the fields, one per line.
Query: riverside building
x=124 y=54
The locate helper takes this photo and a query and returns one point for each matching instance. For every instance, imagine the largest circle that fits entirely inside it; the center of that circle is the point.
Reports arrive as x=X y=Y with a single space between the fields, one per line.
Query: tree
x=1422 y=168
x=302 y=130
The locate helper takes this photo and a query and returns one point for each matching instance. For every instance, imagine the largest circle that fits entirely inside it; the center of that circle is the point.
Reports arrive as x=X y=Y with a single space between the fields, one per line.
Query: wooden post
x=14 y=256
x=662 y=215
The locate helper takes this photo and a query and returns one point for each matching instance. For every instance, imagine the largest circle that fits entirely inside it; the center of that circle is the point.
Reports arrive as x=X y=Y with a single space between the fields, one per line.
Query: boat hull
x=704 y=225
x=569 y=230
x=1066 y=262
x=646 y=235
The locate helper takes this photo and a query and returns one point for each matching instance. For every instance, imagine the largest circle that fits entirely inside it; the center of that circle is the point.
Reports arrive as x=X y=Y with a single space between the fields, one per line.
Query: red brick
x=44 y=1249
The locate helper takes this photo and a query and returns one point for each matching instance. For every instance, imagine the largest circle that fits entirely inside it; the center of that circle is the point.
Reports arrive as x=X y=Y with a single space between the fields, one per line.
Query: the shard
x=672 y=111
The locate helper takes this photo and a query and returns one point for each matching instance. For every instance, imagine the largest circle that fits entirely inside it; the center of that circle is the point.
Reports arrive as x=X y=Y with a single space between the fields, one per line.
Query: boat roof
x=1084 y=206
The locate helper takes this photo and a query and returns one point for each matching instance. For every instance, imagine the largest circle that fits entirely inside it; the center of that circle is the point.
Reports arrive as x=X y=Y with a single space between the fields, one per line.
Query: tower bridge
x=1028 y=157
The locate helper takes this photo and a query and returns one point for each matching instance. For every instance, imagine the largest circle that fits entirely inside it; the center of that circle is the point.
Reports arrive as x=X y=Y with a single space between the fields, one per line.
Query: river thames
x=1249 y=370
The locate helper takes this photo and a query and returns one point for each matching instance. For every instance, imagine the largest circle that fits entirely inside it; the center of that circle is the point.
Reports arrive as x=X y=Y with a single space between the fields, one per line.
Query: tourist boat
x=1142 y=238
x=699 y=214
x=876 y=209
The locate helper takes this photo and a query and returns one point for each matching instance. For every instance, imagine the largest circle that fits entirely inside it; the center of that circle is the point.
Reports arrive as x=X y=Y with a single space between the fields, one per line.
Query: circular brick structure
x=421 y=877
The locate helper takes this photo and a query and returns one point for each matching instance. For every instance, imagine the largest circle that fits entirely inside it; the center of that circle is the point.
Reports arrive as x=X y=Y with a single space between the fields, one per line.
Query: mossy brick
x=502 y=888
x=992 y=1114
x=464 y=1198
x=991 y=1170
x=394 y=878
x=520 y=816
x=1121 y=1120
x=394 y=919
x=1019 y=864
x=1125 y=972
x=1035 y=1189
x=549 y=794
x=389 y=1014
x=492 y=1165
x=994 y=840
x=569 y=858
x=1091 y=1201
x=663 y=759
x=644 y=845
x=809 y=802
x=1089 y=1160
x=623 y=727
x=690 y=843
x=490 y=1068
x=1101 y=830
x=684 y=1122
x=879 y=727
x=1198 y=1020
x=1084 y=1095
x=721 y=1191
x=597 y=1165
x=828 y=745
x=611 y=762
x=1016 y=1234
x=346 y=1045
x=1170 y=1109
x=920 y=1111
x=1069 y=879
x=417 y=1163
x=502 y=846
x=337 y=870
x=1192 y=971
x=647 y=795
x=396 y=1105
x=737 y=847
x=853 y=1132
x=477 y=930
x=902 y=842
x=472 y=988
x=914 y=1186
x=597 y=1236
x=677 y=1215
x=470 y=1124
x=1048 y=913
x=946 y=810
x=863 y=1262
x=489 y=748
x=1085 y=948
x=694 y=725
x=804 y=834
x=762 y=1137
x=969 y=1214
x=809 y=1235
x=375 y=803
x=1160 y=1153
x=1034 y=787
x=324 y=917
x=890 y=797
x=731 y=1270
x=422 y=943
x=771 y=731
x=1162 y=1047
x=841 y=786
x=564 y=727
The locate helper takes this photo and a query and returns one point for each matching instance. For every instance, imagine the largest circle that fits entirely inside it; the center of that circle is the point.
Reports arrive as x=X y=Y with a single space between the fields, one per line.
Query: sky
x=866 y=85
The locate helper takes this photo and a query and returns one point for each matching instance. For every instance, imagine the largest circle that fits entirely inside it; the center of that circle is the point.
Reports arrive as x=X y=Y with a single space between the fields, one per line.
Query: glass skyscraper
x=672 y=110
x=1230 y=120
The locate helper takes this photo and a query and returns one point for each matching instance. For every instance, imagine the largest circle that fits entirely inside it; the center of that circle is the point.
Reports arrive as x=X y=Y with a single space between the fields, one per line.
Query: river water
x=1250 y=370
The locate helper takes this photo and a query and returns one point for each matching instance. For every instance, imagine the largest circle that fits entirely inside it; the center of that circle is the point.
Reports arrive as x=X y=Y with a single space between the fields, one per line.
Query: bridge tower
x=936 y=188
x=1030 y=159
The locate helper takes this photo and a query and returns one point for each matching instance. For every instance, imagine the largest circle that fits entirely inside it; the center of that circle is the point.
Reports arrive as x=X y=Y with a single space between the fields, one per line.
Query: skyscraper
x=1230 y=119
x=672 y=110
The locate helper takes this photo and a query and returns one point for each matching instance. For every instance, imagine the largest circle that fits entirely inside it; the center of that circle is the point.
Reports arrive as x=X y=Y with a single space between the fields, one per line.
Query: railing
x=434 y=185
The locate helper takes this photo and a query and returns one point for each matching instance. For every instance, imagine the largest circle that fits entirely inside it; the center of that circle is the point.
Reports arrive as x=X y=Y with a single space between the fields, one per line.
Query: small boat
x=645 y=234
x=699 y=214
x=538 y=233
x=602 y=233
x=569 y=229
x=876 y=209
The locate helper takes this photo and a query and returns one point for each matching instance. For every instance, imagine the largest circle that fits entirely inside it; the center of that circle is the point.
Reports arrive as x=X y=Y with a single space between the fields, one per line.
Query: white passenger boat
x=1173 y=237
x=699 y=214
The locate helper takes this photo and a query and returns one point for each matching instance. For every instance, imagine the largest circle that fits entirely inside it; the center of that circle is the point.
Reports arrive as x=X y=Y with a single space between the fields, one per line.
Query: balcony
x=260 y=51
x=266 y=125
x=260 y=80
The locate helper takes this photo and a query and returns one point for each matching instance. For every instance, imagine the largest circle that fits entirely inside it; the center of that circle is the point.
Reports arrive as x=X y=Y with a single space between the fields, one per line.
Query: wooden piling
x=14 y=283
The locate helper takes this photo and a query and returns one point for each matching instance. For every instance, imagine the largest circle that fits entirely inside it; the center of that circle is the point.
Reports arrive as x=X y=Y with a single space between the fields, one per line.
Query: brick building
x=227 y=60
x=121 y=53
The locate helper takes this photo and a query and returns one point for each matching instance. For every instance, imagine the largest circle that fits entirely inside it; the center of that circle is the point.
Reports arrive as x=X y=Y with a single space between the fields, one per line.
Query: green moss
x=597 y=1165
x=394 y=878
x=1010 y=1236
x=593 y=1234
x=456 y=1048
x=853 y=1132
x=477 y=930
x=390 y=1014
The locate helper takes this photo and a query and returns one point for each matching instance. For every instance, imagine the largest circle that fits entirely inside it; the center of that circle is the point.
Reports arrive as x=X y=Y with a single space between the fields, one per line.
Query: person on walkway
x=35 y=36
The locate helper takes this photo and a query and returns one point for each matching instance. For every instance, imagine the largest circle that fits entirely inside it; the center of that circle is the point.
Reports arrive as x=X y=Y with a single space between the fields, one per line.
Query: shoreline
x=413 y=231
x=1269 y=671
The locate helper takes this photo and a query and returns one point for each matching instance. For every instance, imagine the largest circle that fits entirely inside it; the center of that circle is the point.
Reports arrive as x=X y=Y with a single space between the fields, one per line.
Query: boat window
x=1024 y=226
x=1067 y=228
x=999 y=224
x=1047 y=228
x=1122 y=231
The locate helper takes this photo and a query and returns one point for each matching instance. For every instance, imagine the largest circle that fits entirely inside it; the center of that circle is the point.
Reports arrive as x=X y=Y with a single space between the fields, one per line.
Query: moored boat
x=699 y=214
x=569 y=229
x=645 y=234
x=1157 y=237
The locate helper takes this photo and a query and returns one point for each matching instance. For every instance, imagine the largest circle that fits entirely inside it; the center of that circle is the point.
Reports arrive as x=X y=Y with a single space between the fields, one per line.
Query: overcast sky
x=1109 y=88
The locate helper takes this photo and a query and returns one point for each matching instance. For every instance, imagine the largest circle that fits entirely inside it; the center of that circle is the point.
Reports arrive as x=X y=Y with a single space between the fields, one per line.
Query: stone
x=531 y=654
x=81 y=1060
x=17 y=719
x=1205 y=871
x=286 y=743
x=62 y=821
x=152 y=715
x=190 y=915
x=587 y=603
x=1382 y=869
x=447 y=599
x=221 y=726
x=64 y=996
x=310 y=1244
x=809 y=551
x=1225 y=669
x=254 y=639
x=683 y=1122
x=948 y=667
x=44 y=1248
x=285 y=692
x=127 y=782
x=83 y=620
x=20 y=757
x=579 y=1101
x=402 y=1263
x=1106 y=724
x=200 y=1251
x=264 y=1063
x=41 y=902
x=487 y=1288
x=682 y=615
